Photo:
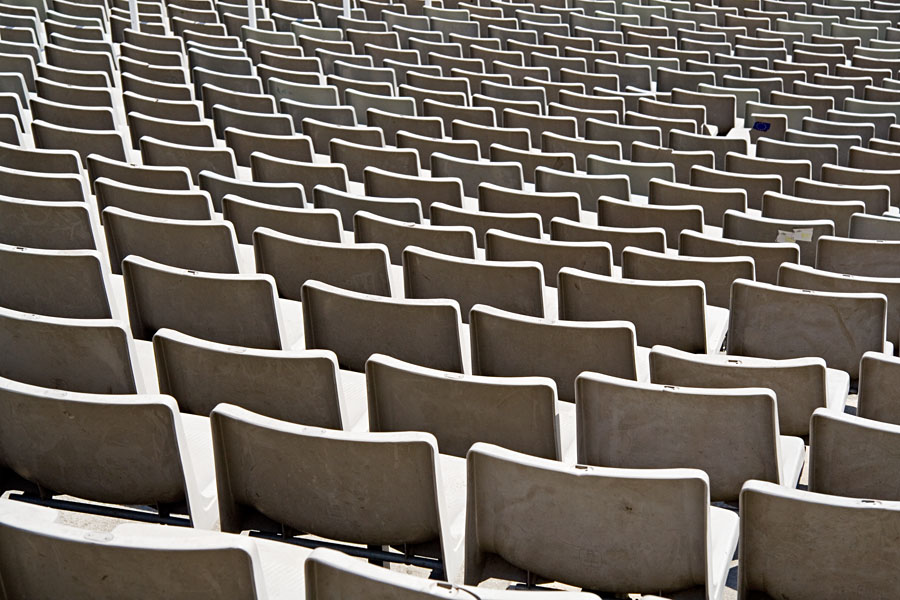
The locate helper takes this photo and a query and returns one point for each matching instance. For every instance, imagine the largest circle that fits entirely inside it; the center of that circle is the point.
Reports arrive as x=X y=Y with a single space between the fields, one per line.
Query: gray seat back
x=800 y=384
x=295 y=386
x=731 y=434
x=104 y=566
x=559 y=350
x=50 y=439
x=853 y=457
x=354 y=326
x=774 y=322
x=663 y=312
x=513 y=286
x=717 y=274
x=594 y=257
x=202 y=245
x=79 y=355
x=775 y=520
x=514 y=412
x=263 y=477
x=397 y=235
x=567 y=541
x=879 y=376
x=870 y=258
x=57 y=283
x=293 y=260
x=230 y=309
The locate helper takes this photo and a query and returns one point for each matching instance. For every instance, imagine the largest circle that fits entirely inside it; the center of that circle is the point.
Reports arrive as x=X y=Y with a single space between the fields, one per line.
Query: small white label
x=784 y=236
x=804 y=234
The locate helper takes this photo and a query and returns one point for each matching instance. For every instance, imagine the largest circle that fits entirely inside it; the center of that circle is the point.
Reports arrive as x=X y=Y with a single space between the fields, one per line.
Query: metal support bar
x=103 y=511
x=369 y=553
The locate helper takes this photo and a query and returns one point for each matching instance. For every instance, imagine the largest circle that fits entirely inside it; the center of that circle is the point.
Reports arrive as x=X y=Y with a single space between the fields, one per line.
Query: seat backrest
x=873 y=227
x=397 y=235
x=286 y=194
x=313 y=224
x=161 y=153
x=47 y=225
x=788 y=170
x=426 y=146
x=800 y=384
x=56 y=283
x=427 y=190
x=804 y=233
x=673 y=219
x=194 y=133
x=594 y=257
x=354 y=326
x=720 y=108
x=731 y=434
x=847 y=543
x=793 y=208
x=74 y=354
x=870 y=258
x=619 y=238
x=295 y=386
x=682 y=161
x=190 y=244
x=624 y=134
x=879 y=375
x=513 y=286
x=817 y=154
x=720 y=146
x=525 y=224
x=754 y=185
x=37 y=185
x=593 y=549
x=862 y=158
x=487 y=135
x=293 y=260
x=357 y=157
x=556 y=349
x=513 y=412
x=267 y=124
x=166 y=178
x=220 y=307
x=580 y=148
x=769 y=321
x=717 y=274
x=588 y=187
x=348 y=204
x=853 y=457
x=639 y=173
x=663 y=312
x=289 y=146
x=807 y=278
x=134 y=561
x=767 y=257
x=493 y=198
x=50 y=161
x=109 y=143
x=838 y=174
x=50 y=439
x=842 y=143
x=473 y=172
x=154 y=202
x=351 y=501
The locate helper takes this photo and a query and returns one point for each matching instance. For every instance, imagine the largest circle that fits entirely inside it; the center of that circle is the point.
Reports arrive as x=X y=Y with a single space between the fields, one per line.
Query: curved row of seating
x=528 y=295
